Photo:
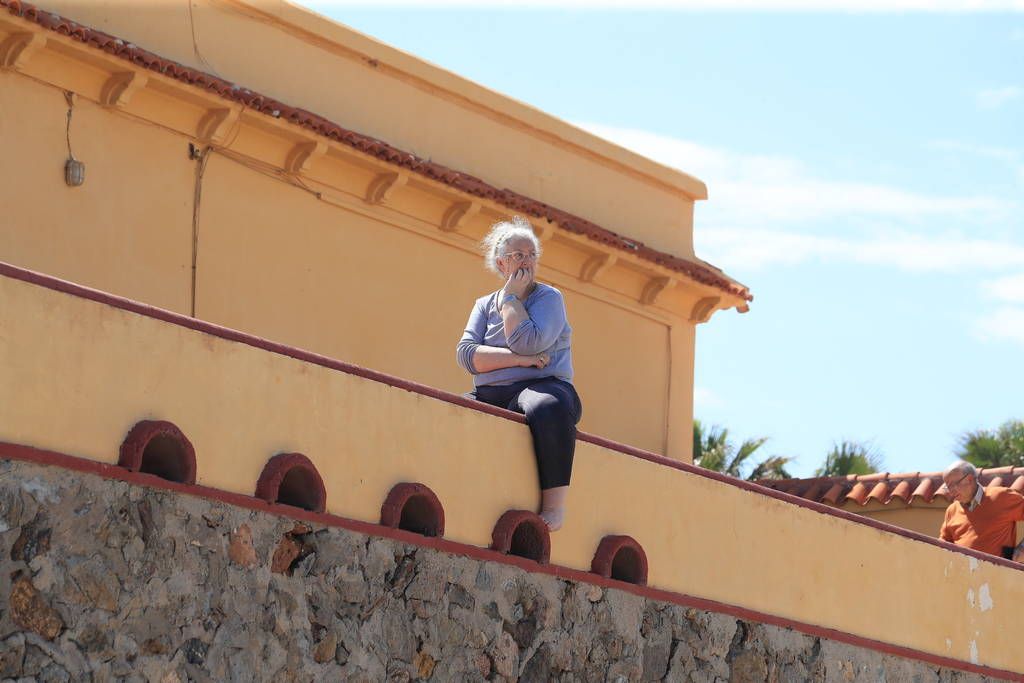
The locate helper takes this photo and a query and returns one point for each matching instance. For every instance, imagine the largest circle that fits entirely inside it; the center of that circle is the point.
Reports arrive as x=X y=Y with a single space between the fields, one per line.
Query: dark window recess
x=164 y=456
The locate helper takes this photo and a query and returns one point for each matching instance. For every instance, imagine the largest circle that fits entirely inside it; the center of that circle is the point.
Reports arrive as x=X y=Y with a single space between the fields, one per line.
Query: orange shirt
x=990 y=527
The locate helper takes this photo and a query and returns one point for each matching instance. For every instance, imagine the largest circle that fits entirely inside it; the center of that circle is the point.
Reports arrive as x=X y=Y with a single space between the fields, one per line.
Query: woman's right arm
x=474 y=357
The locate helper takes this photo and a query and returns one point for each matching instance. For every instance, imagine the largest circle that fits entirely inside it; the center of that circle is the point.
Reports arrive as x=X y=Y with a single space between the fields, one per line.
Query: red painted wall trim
x=23 y=453
x=56 y=284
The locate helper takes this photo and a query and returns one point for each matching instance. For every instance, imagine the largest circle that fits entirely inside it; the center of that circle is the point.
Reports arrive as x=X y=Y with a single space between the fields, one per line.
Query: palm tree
x=849 y=457
x=713 y=450
x=994 y=448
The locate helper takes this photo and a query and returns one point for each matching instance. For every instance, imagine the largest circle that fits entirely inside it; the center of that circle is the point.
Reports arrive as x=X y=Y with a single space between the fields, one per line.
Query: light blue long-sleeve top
x=545 y=330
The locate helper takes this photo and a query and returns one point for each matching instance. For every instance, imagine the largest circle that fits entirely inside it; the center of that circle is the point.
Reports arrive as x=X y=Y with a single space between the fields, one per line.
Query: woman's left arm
x=539 y=328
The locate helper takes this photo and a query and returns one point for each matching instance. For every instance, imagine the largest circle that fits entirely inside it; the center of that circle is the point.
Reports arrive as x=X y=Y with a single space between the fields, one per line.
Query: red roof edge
x=122 y=49
x=885 y=487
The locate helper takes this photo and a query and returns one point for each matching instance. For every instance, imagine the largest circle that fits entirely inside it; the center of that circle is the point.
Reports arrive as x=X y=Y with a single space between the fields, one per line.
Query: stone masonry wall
x=101 y=580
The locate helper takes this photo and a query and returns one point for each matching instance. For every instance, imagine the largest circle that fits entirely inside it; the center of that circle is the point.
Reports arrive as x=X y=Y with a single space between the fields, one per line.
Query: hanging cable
x=197 y=196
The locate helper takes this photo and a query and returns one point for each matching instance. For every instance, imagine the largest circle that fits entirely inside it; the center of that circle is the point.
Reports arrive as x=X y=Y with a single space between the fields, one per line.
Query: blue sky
x=866 y=180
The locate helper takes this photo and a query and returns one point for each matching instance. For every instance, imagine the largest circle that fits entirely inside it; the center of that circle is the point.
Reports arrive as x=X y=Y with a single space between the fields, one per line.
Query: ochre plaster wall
x=85 y=372
x=292 y=54
x=128 y=230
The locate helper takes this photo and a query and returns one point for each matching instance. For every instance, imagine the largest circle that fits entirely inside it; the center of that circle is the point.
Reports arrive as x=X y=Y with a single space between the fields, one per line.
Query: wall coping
x=11 y=451
x=56 y=284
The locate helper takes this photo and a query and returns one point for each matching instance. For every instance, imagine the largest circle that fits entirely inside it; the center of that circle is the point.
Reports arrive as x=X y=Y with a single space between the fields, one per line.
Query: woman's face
x=517 y=253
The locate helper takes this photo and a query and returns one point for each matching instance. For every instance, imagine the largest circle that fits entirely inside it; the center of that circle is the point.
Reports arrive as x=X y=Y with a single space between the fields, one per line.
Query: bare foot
x=553 y=518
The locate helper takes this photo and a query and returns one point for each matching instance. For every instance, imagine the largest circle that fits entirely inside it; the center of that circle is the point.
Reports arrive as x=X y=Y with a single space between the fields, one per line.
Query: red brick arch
x=159 y=448
x=524 y=534
x=292 y=479
x=620 y=558
x=413 y=507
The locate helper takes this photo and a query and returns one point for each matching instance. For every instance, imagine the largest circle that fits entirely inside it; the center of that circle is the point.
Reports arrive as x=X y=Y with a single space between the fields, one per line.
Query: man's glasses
x=957 y=483
x=520 y=256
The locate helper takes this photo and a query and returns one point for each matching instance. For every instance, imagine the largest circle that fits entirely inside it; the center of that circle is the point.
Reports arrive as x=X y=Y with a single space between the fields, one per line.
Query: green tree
x=849 y=457
x=713 y=450
x=994 y=447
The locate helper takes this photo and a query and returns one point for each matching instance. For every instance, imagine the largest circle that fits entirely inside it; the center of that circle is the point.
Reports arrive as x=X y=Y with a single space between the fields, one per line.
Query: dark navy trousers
x=552 y=408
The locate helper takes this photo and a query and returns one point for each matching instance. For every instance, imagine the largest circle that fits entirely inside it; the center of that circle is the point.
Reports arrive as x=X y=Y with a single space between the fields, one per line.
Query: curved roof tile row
x=704 y=274
x=885 y=488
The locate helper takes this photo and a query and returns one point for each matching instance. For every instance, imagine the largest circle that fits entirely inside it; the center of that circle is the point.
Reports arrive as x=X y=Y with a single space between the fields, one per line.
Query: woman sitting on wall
x=516 y=346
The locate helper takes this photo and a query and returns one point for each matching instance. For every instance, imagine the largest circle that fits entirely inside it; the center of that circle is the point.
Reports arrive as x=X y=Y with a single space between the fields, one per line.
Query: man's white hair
x=963 y=467
x=503 y=231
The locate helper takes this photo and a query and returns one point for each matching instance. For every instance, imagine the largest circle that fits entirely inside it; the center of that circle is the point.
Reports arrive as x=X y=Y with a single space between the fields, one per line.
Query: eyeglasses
x=957 y=483
x=520 y=256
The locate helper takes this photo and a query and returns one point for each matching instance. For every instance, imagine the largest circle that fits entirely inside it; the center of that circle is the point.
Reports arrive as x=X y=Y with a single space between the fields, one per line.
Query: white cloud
x=1007 y=155
x=1006 y=324
x=994 y=98
x=873 y=6
x=754 y=191
x=705 y=399
x=1009 y=289
x=1011 y=157
x=750 y=249
x=765 y=210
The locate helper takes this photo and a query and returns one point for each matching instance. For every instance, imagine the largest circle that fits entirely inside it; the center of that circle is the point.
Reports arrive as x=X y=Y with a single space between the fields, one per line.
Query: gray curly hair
x=499 y=235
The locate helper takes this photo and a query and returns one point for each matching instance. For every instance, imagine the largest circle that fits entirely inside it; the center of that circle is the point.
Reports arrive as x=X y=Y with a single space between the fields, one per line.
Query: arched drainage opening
x=292 y=479
x=159 y=448
x=165 y=457
x=621 y=558
x=413 y=507
x=523 y=534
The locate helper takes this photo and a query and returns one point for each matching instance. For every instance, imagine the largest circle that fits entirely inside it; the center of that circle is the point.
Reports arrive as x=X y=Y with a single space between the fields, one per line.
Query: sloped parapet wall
x=85 y=368
x=103 y=579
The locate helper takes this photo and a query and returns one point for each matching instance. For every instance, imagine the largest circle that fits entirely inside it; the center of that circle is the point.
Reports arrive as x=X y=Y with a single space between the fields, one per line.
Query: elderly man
x=981 y=518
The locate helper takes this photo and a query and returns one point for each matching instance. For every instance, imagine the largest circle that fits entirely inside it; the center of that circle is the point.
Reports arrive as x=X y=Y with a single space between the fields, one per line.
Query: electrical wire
x=69 y=97
x=195 y=41
x=197 y=196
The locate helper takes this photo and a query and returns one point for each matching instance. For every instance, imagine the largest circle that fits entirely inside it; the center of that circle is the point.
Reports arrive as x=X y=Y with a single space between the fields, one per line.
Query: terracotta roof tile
x=699 y=272
x=884 y=487
x=902 y=491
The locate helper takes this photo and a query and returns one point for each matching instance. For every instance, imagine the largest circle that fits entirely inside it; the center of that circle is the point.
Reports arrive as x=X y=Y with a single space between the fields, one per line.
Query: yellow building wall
x=239 y=405
x=302 y=258
x=128 y=230
x=330 y=69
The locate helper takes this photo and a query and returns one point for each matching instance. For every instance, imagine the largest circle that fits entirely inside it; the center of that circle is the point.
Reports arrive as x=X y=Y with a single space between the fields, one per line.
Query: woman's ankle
x=552 y=506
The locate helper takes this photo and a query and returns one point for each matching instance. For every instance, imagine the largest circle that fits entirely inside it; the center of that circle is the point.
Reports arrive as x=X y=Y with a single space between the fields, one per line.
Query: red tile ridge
x=880 y=492
x=902 y=490
x=833 y=494
x=698 y=271
x=885 y=486
x=858 y=494
x=925 y=490
x=814 y=492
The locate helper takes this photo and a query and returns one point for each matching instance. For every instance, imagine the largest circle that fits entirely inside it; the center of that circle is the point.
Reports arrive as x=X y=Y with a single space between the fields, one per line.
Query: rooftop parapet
x=84 y=368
